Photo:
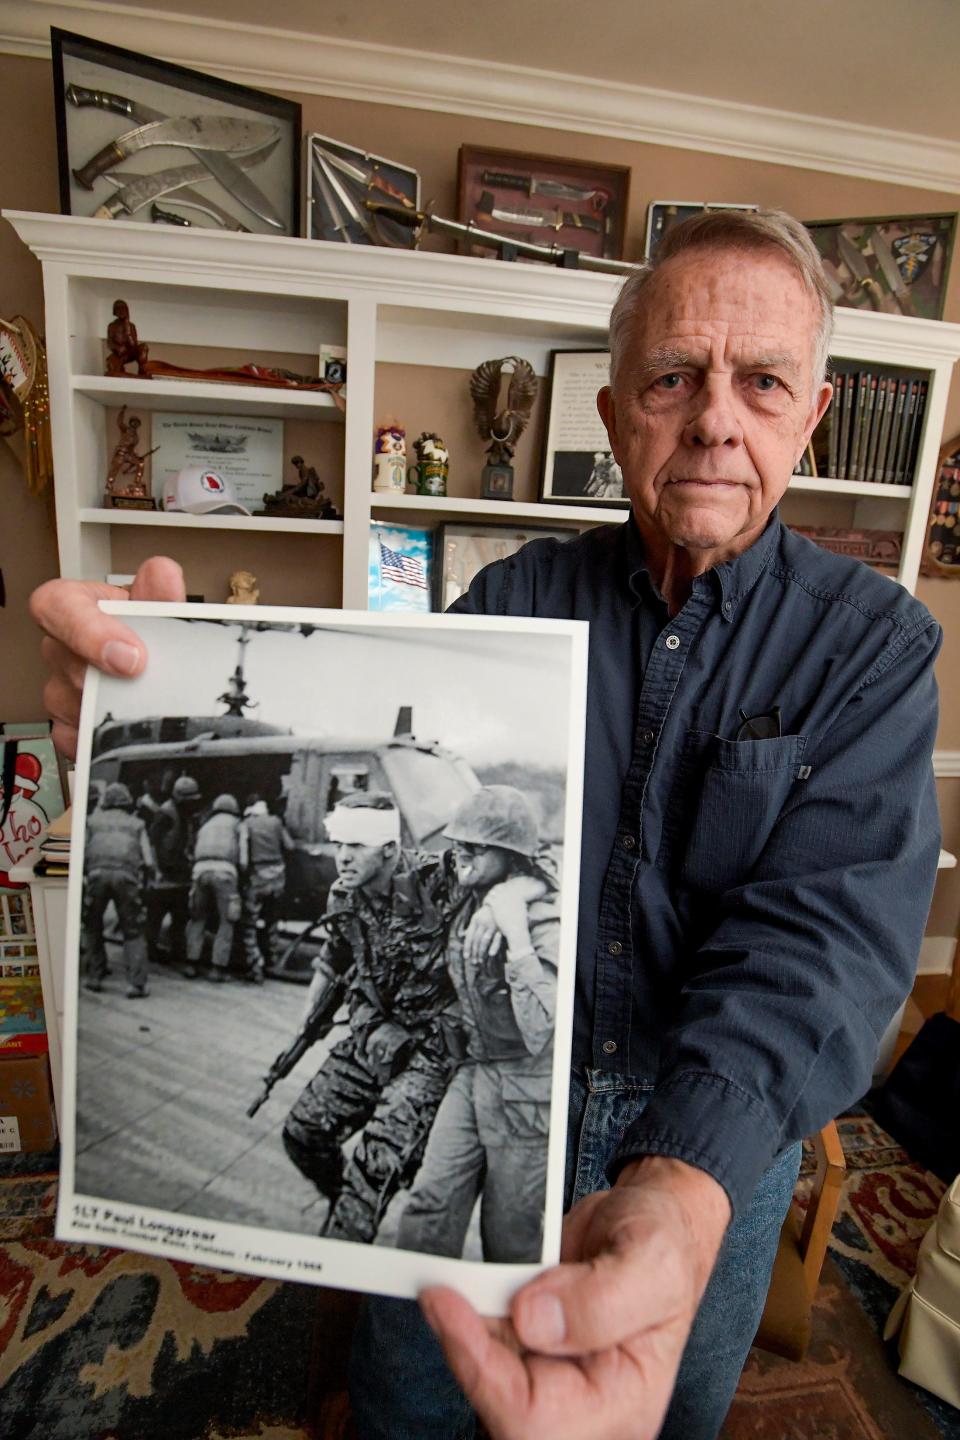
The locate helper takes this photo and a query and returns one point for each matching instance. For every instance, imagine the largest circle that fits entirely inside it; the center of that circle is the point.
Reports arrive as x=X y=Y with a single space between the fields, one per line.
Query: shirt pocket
x=735 y=792
x=526 y=1104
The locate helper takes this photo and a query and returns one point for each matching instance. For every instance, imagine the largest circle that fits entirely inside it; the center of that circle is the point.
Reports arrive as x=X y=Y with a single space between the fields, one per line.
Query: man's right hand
x=78 y=634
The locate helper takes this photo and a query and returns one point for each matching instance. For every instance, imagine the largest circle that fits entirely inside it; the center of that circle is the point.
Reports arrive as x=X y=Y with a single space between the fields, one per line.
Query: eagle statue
x=502 y=427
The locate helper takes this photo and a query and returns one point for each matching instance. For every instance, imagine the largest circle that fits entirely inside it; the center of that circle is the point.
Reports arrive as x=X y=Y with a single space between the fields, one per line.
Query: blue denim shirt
x=751 y=910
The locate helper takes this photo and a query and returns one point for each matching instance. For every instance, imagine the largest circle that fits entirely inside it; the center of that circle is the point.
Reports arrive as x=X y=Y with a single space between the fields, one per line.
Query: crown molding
x=387 y=75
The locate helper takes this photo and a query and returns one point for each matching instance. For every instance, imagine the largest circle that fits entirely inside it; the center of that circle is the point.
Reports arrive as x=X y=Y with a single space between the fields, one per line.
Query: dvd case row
x=873 y=426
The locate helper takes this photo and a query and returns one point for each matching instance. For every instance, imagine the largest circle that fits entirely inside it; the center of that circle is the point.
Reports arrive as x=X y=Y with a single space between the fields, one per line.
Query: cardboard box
x=27 y=1118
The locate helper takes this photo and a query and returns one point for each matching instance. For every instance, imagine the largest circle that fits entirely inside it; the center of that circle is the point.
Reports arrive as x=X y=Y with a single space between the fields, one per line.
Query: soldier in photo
x=387 y=1076
x=117 y=860
x=172 y=835
x=490 y=1133
x=218 y=857
x=267 y=843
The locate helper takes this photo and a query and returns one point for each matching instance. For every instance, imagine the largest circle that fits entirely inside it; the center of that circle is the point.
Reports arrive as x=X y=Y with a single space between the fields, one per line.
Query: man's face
x=358 y=865
x=714 y=401
x=480 y=866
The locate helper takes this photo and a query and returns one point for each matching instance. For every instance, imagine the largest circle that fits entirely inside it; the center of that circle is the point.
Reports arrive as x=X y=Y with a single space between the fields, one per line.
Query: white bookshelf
x=254 y=295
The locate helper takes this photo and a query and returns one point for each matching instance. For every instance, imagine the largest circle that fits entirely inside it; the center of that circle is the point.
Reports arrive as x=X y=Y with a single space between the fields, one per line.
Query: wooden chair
x=786 y=1321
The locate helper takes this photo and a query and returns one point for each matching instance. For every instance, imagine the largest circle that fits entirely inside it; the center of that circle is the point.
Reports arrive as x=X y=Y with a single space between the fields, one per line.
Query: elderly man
x=759 y=848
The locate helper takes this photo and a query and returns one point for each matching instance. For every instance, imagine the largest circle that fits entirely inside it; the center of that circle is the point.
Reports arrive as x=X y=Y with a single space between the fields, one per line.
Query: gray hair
x=731 y=230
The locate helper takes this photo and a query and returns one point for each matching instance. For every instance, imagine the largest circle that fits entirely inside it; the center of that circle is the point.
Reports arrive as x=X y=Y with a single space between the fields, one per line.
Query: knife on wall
x=556 y=219
x=891 y=271
x=252 y=135
x=135 y=191
x=856 y=263
x=530 y=185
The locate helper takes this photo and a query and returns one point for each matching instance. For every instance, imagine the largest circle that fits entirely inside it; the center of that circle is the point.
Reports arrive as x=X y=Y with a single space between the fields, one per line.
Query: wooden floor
x=930 y=994
x=163 y=1087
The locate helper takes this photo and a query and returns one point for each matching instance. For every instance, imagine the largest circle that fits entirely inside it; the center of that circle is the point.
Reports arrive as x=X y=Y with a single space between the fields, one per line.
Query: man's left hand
x=592 y=1347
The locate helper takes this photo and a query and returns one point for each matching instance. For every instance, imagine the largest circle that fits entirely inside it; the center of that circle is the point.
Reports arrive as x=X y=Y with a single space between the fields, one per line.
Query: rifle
x=316 y=1025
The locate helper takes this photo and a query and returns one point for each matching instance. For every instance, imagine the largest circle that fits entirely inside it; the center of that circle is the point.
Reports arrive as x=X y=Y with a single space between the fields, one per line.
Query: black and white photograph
x=140 y=139
x=321 y=946
x=578 y=467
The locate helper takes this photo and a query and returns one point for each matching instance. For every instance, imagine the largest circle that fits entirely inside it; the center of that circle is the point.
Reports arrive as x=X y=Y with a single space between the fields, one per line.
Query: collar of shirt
x=733 y=579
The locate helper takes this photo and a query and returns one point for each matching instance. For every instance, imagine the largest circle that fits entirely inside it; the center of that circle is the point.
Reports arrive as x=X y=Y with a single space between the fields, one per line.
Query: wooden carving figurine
x=123 y=344
x=244 y=589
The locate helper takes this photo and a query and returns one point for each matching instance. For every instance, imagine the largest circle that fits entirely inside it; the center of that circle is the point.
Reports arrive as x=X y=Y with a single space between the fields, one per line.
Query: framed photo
x=544 y=199
x=341 y=179
x=400 y=575
x=663 y=215
x=140 y=139
x=899 y=264
x=578 y=467
x=363 y=751
x=463 y=550
x=942 y=554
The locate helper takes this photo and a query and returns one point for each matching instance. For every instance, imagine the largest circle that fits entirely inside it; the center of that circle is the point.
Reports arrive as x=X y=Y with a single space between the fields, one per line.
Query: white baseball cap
x=197 y=491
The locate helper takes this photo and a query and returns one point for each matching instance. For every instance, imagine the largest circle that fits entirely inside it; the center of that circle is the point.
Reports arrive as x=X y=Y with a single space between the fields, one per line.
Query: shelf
x=201 y=397
x=495 y=510
x=98 y=516
x=826 y=486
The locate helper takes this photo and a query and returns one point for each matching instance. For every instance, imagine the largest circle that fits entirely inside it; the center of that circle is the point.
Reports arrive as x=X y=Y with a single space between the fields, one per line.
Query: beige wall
x=430 y=142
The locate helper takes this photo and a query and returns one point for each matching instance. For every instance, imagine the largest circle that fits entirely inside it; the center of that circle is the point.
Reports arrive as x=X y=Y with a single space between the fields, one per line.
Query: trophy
x=390 y=459
x=126 y=487
x=502 y=427
x=429 y=474
x=304 y=499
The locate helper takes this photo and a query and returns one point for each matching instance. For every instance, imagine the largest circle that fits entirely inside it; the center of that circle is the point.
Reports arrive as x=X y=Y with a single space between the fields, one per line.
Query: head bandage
x=360 y=825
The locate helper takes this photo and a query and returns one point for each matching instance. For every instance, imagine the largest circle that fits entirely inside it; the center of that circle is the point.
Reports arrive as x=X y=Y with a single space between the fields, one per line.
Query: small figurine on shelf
x=304 y=499
x=244 y=589
x=123 y=344
x=126 y=487
x=390 y=459
x=433 y=465
x=502 y=427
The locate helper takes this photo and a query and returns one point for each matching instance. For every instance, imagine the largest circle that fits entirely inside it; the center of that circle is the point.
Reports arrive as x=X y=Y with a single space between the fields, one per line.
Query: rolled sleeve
x=785 y=1002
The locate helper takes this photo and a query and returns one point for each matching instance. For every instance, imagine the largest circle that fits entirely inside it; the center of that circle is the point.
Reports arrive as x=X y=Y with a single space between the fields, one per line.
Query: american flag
x=404 y=569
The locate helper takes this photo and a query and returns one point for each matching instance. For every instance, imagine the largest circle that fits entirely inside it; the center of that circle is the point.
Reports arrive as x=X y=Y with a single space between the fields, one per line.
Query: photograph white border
x=304 y=1258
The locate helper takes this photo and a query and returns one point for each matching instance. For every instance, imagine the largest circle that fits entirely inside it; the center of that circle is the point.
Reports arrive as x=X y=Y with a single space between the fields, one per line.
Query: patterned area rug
x=847 y=1388
x=100 y=1344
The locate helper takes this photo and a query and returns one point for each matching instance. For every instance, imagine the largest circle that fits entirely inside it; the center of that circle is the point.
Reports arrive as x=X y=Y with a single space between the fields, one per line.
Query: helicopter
x=300 y=777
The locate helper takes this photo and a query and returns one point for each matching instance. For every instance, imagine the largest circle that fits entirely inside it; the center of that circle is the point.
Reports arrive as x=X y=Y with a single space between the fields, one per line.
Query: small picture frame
x=899 y=264
x=544 y=199
x=578 y=466
x=462 y=551
x=400 y=574
x=942 y=553
x=124 y=126
x=663 y=215
x=341 y=179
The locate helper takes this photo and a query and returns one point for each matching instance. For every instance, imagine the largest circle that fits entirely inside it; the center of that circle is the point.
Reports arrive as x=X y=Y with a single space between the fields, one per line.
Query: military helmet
x=186 y=788
x=225 y=805
x=496 y=815
x=117 y=797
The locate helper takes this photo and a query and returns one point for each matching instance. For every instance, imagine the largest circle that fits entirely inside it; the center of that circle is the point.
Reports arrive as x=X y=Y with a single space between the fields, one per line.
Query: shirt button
x=628 y=842
x=672 y=642
x=646 y=737
x=609 y=1047
x=615 y=948
x=727 y=606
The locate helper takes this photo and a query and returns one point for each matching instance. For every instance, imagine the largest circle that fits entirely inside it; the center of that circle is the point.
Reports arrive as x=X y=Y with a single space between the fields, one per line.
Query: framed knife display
x=896 y=263
x=340 y=179
x=138 y=139
x=543 y=198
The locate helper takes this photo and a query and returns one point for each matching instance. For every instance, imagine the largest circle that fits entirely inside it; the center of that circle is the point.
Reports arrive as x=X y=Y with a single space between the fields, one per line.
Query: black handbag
x=920 y=1102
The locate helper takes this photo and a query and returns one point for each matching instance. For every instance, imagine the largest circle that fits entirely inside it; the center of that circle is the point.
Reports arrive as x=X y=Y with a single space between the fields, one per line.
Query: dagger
x=856 y=263
x=330 y=201
x=344 y=199
x=134 y=191
x=168 y=217
x=556 y=219
x=891 y=271
x=530 y=185
x=369 y=179
x=197 y=133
